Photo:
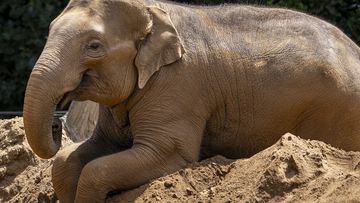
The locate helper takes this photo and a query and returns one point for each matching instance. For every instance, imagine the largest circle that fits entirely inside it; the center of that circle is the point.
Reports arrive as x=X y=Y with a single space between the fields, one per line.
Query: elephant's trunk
x=41 y=97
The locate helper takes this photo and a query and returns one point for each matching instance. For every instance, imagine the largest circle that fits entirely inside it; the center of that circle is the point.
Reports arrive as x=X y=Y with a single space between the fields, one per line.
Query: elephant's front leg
x=70 y=161
x=152 y=156
x=123 y=170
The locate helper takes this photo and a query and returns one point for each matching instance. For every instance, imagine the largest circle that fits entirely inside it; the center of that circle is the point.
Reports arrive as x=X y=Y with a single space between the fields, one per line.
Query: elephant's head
x=97 y=50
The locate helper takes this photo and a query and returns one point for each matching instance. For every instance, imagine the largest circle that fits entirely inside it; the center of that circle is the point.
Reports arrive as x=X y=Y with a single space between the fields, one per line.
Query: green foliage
x=24 y=26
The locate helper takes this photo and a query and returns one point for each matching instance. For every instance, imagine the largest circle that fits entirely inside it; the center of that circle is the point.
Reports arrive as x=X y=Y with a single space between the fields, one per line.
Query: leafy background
x=24 y=27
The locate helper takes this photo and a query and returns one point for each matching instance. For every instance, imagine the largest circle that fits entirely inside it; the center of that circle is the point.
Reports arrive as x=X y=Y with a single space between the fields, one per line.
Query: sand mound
x=292 y=169
x=23 y=176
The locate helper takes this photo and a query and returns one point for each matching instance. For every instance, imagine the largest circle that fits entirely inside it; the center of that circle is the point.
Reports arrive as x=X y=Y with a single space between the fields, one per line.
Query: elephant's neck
x=139 y=94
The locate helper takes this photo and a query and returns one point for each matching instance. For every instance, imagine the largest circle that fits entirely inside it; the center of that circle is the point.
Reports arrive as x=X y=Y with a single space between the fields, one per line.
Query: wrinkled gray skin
x=187 y=82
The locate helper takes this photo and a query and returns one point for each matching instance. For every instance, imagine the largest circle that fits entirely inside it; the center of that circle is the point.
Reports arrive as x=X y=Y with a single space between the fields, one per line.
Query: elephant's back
x=268 y=70
x=248 y=31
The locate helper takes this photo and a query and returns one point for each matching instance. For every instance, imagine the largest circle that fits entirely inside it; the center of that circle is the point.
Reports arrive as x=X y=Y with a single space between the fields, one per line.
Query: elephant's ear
x=161 y=47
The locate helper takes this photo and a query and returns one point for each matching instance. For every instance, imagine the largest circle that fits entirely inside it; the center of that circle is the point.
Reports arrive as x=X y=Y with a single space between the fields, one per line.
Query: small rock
x=174 y=195
x=168 y=184
x=188 y=191
x=37 y=179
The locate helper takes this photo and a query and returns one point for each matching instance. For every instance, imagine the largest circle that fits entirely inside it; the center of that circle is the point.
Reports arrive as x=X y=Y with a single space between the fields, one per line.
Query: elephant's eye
x=95 y=49
x=94 y=46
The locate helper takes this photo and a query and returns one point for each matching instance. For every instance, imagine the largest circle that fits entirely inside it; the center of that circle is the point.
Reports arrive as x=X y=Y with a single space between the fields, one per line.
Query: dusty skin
x=291 y=170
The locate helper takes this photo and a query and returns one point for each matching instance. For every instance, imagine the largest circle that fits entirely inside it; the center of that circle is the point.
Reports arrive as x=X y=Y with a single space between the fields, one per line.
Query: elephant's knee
x=63 y=159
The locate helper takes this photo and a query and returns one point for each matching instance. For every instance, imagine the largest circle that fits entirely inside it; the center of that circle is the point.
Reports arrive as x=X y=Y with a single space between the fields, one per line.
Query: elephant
x=177 y=83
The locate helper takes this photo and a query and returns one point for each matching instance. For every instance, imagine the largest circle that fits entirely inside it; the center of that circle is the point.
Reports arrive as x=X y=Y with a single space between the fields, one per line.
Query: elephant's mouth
x=75 y=94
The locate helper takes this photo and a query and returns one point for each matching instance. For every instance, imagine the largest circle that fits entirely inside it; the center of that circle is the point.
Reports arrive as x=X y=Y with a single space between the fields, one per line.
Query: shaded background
x=24 y=27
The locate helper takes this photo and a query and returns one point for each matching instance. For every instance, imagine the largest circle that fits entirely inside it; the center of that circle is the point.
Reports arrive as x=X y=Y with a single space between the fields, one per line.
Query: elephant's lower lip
x=74 y=94
x=68 y=97
x=65 y=100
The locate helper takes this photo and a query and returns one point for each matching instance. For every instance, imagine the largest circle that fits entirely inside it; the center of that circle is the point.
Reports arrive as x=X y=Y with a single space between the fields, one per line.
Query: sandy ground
x=292 y=170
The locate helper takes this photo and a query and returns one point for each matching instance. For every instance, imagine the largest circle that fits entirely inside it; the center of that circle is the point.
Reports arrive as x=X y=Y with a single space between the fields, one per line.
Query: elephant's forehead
x=76 y=21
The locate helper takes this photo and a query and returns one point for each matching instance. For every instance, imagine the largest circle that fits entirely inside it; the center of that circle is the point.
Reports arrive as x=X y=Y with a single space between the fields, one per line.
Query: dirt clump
x=291 y=170
x=24 y=177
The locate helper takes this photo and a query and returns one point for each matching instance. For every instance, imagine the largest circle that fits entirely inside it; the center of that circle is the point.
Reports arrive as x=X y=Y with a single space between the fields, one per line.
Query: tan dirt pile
x=292 y=170
x=23 y=176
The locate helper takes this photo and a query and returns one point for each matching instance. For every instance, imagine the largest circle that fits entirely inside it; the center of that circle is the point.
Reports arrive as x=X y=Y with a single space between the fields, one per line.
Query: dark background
x=24 y=27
